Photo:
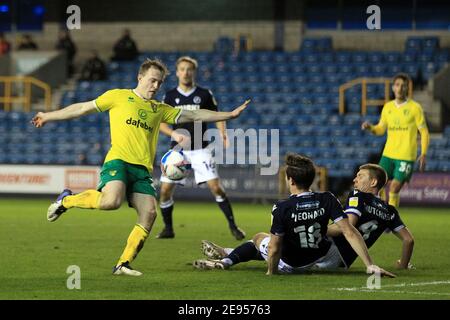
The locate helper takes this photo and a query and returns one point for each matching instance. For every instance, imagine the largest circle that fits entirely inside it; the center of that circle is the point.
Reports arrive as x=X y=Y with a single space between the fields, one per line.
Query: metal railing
x=364 y=101
x=7 y=99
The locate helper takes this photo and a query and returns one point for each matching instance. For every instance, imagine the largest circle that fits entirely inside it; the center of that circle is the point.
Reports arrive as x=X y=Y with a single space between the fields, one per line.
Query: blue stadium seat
x=308 y=45
x=345 y=68
x=393 y=69
x=334 y=79
x=438 y=143
x=327 y=153
x=264 y=56
x=425 y=57
x=414 y=42
x=311 y=58
x=317 y=78
x=409 y=57
x=327 y=57
x=324 y=143
x=346 y=152
x=329 y=68
x=428 y=70
x=280 y=57
x=313 y=68
x=379 y=70
x=300 y=78
x=296 y=58
x=412 y=69
x=362 y=69
x=392 y=57
x=359 y=57
x=321 y=99
x=375 y=57
x=343 y=57
x=444 y=166
x=442 y=56
x=432 y=165
x=324 y=44
x=430 y=42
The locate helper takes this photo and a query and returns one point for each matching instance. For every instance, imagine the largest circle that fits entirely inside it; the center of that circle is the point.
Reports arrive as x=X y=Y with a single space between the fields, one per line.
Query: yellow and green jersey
x=402 y=123
x=134 y=125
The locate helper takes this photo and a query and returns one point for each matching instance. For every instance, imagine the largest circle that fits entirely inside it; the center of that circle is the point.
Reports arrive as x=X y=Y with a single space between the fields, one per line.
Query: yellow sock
x=394 y=199
x=383 y=194
x=135 y=243
x=89 y=199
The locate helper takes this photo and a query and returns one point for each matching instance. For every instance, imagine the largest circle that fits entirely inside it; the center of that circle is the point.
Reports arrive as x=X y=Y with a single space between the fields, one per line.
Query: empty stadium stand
x=295 y=92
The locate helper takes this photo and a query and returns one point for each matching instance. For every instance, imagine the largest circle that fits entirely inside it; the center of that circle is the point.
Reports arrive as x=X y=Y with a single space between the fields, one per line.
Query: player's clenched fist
x=366 y=125
x=39 y=119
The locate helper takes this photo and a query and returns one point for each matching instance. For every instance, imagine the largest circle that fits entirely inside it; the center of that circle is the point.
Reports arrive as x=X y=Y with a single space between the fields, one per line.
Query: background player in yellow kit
x=134 y=122
x=402 y=118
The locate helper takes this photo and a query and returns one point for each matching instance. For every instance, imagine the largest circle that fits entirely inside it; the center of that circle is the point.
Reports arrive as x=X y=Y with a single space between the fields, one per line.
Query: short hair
x=157 y=64
x=376 y=172
x=187 y=59
x=301 y=169
x=406 y=78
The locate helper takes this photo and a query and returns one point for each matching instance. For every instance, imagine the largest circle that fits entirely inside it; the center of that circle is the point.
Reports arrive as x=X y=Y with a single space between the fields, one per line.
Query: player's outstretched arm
x=73 y=111
x=407 y=248
x=274 y=255
x=211 y=116
x=356 y=241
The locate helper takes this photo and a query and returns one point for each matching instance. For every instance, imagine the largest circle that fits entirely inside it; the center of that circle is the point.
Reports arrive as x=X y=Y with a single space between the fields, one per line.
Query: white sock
x=227 y=261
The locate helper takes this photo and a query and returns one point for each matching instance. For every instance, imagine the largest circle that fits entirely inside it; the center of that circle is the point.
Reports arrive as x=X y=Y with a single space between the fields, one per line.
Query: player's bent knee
x=257 y=238
x=218 y=191
x=165 y=192
x=147 y=219
x=164 y=197
x=152 y=213
x=110 y=203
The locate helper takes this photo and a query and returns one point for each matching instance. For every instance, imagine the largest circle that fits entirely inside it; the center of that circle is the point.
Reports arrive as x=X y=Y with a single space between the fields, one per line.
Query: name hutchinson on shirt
x=379 y=213
x=139 y=124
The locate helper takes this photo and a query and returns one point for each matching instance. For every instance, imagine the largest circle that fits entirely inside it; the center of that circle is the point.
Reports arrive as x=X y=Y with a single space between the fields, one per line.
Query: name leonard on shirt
x=307 y=215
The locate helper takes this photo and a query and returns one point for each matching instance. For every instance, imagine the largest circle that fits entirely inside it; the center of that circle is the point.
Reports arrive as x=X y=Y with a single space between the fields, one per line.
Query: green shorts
x=400 y=170
x=136 y=177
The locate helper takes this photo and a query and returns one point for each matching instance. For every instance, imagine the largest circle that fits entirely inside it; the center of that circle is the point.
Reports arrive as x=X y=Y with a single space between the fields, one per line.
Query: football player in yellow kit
x=134 y=120
x=402 y=118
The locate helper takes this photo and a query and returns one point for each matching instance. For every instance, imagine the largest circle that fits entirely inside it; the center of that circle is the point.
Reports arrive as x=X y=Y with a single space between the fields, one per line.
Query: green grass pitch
x=35 y=254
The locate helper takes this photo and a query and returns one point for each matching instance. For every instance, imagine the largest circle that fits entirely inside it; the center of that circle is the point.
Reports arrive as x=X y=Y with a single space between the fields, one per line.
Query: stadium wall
x=54 y=72
x=201 y=35
x=170 y=36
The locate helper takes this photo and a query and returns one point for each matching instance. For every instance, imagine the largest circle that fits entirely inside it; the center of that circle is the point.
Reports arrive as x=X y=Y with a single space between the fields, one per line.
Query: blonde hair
x=157 y=64
x=187 y=59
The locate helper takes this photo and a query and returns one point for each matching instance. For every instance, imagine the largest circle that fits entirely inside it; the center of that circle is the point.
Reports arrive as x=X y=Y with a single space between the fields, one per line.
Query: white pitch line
x=407 y=292
x=401 y=285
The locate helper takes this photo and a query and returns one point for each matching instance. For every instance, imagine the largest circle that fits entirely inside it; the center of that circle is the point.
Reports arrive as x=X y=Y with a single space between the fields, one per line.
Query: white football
x=173 y=165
